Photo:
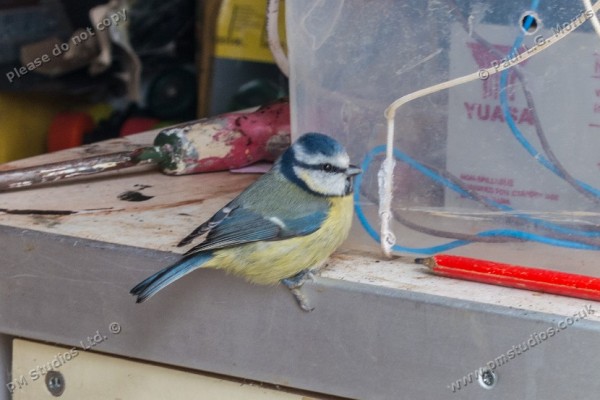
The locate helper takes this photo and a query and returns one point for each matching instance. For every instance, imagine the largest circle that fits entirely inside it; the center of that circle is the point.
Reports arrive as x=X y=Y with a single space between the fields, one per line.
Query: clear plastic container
x=504 y=168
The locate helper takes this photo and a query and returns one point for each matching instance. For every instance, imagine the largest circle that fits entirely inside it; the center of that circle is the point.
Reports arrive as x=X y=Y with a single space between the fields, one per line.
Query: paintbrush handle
x=218 y=143
x=53 y=172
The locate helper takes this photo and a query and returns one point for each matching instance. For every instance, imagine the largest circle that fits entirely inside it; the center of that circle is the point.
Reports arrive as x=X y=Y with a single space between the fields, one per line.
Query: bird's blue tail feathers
x=151 y=285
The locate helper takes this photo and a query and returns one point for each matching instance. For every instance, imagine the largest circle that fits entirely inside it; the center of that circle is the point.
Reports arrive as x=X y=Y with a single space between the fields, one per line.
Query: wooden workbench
x=381 y=328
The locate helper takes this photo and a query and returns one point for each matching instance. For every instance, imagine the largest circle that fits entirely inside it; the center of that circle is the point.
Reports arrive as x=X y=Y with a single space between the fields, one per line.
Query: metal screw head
x=487 y=378
x=55 y=383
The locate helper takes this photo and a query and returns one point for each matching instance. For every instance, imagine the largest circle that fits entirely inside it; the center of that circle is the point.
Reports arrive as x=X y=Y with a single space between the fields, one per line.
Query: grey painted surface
x=362 y=341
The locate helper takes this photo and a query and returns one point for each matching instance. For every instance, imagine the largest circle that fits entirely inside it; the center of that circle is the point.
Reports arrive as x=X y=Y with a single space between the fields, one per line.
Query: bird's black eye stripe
x=327 y=167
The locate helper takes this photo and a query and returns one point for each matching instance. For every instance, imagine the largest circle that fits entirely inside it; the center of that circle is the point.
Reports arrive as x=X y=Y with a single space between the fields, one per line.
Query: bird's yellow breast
x=269 y=262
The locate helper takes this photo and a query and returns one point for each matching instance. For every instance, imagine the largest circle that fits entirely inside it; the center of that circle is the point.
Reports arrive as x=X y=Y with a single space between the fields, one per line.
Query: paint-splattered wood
x=137 y=207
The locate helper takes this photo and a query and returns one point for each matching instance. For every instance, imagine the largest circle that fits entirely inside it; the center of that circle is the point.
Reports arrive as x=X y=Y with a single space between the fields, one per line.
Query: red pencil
x=536 y=279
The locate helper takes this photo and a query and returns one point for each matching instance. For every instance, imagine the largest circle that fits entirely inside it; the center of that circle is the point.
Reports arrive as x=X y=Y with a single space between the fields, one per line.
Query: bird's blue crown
x=315 y=143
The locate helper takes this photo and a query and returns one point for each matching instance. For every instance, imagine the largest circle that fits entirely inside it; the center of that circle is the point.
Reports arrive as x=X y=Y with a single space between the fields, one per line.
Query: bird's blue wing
x=207 y=226
x=242 y=225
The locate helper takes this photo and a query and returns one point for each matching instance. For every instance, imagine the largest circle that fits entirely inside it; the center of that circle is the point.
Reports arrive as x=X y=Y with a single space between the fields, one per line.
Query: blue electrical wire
x=516 y=234
x=510 y=233
x=511 y=122
x=448 y=183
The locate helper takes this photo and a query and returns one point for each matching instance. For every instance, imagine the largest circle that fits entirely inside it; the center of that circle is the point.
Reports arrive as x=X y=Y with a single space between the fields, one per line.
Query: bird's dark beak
x=353 y=170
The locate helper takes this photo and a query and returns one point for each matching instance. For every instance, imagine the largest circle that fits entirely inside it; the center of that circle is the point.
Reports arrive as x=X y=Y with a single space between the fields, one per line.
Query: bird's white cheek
x=306 y=178
x=322 y=182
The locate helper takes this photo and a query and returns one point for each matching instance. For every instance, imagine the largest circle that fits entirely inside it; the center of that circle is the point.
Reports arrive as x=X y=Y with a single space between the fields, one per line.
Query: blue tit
x=279 y=228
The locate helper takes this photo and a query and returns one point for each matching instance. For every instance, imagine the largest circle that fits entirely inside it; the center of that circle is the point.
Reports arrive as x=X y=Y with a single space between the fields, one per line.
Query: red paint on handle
x=536 y=279
x=267 y=128
x=244 y=138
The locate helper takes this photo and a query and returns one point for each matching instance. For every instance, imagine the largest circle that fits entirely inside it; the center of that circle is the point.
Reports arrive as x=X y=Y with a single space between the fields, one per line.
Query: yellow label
x=242 y=32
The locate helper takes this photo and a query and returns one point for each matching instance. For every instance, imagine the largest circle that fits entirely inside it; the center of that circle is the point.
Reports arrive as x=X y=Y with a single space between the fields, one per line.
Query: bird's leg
x=294 y=283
